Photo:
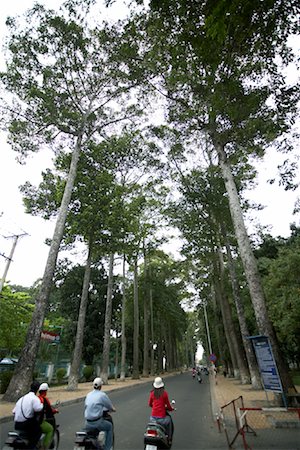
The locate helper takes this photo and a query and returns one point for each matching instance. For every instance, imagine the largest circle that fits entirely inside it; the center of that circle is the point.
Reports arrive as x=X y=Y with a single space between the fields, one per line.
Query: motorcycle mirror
x=57 y=403
x=173 y=402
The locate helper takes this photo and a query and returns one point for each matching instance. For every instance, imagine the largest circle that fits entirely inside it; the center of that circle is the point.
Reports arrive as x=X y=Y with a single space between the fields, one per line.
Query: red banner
x=50 y=336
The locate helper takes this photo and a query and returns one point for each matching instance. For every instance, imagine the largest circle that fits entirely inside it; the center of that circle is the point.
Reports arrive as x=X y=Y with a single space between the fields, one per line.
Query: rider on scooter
x=96 y=403
x=25 y=414
x=160 y=404
x=48 y=416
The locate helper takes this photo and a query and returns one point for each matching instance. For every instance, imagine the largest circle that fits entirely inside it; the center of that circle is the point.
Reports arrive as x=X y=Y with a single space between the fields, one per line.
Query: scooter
x=155 y=437
x=92 y=439
x=19 y=439
x=199 y=378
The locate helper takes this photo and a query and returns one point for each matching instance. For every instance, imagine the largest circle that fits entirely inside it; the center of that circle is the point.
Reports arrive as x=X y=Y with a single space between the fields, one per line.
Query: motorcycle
x=19 y=439
x=155 y=437
x=199 y=378
x=92 y=439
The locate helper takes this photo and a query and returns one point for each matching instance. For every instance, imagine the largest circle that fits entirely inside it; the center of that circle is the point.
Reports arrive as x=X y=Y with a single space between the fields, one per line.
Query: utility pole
x=9 y=258
x=207 y=328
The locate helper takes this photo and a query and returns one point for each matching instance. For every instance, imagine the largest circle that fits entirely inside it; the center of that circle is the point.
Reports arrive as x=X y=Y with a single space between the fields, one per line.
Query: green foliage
x=281 y=280
x=60 y=374
x=68 y=297
x=5 y=378
x=88 y=372
x=16 y=310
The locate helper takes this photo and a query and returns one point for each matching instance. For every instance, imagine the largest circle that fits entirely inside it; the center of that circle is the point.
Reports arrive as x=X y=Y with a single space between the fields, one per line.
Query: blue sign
x=213 y=358
x=266 y=363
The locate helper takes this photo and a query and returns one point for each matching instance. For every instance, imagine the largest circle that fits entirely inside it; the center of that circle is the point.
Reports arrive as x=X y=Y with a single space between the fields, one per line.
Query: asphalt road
x=193 y=421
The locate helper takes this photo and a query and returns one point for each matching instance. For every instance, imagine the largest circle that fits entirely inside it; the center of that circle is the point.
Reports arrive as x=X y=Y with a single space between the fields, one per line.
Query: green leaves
x=16 y=310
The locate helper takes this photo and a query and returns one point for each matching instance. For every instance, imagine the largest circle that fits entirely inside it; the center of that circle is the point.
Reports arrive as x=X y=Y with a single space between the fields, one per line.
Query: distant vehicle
x=7 y=364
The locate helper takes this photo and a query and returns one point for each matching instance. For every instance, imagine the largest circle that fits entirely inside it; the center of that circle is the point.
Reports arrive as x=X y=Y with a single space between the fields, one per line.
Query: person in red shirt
x=160 y=404
x=47 y=425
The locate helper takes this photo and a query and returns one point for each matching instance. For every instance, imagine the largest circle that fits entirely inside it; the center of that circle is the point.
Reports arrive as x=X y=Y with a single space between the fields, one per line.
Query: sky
x=31 y=252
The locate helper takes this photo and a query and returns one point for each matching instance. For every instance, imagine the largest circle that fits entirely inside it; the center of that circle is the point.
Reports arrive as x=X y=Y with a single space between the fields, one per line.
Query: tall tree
x=61 y=76
x=219 y=69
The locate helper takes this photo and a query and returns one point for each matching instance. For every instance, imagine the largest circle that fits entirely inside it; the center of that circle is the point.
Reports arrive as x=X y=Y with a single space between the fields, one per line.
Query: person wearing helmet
x=160 y=404
x=47 y=425
x=96 y=404
x=25 y=413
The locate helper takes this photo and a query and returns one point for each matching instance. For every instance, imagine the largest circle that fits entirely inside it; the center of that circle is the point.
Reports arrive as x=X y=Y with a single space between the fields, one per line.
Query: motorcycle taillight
x=151 y=432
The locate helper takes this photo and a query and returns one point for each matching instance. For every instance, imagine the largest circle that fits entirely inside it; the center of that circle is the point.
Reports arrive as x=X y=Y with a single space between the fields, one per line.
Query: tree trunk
x=135 y=369
x=152 y=370
x=251 y=271
x=227 y=328
x=117 y=355
x=23 y=372
x=77 y=354
x=252 y=364
x=107 y=326
x=146 y=321
x=123 y=331
x=235 y=334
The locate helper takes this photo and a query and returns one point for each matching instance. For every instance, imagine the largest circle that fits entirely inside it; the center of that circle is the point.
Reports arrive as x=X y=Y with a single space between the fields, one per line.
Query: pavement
x=223 y=391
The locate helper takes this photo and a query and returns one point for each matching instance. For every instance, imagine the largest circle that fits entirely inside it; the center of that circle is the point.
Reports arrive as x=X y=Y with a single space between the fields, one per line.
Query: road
x=194 y=425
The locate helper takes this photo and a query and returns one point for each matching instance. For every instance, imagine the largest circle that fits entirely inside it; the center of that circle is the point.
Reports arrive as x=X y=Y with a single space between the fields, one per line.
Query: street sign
x=213 y=358
x=266 y=363
x=50 y=336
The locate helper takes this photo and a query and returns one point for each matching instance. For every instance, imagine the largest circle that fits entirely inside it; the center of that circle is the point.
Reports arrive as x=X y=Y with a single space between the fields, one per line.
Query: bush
x=5 y=378
x=88 y=372
x=60 y=373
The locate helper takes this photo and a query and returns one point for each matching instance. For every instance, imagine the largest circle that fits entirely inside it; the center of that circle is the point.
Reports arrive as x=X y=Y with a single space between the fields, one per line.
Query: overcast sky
x=31 y=253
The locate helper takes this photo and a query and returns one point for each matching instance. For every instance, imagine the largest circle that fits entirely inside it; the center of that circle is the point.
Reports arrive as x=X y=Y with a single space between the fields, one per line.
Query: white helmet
x=97 y=382
x=44 y=387
x=158 y=383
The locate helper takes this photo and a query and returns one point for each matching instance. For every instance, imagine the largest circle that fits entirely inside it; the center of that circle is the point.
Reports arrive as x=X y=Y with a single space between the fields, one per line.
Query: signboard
x=213 y=358
x=266 y=363
x=49 y=336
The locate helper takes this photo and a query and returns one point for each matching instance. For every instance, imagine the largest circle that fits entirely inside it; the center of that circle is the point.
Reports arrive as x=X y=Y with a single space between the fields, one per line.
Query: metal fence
x=275 y=428
x=234 y=429
x=260 y=428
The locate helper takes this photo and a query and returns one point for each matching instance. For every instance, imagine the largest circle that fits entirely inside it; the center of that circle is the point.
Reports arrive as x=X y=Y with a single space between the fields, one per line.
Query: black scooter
x=19 y=439
x=92 y=439
x=155 y=437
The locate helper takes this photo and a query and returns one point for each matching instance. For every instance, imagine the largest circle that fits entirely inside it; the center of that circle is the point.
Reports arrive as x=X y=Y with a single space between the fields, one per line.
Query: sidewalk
x=228 y=389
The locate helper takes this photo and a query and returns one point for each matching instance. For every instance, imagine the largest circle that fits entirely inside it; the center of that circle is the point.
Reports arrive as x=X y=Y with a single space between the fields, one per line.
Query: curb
x=111 y=388
x=215 y=409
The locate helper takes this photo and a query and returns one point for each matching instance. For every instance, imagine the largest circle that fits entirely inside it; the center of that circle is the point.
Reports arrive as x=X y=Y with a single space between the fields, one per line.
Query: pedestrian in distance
x=160 y=404
x=27 y=414
x=96 y=404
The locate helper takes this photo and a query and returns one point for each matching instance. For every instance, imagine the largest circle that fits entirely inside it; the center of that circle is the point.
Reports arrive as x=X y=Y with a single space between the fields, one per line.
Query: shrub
x=60 y=373
x=5 y=378
x=88 y=372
